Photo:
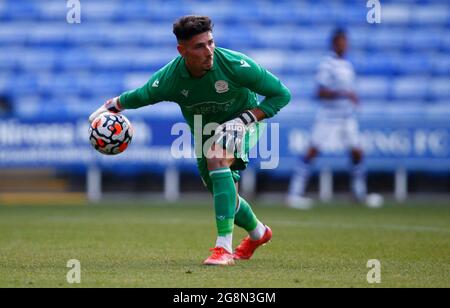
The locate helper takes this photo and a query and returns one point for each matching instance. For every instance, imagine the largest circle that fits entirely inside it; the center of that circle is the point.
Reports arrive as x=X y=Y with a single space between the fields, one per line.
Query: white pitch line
x=359 y=226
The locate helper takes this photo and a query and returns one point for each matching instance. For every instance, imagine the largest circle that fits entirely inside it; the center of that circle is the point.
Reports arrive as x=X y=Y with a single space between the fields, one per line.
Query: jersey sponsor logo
x=221 y=86
x=185 y=93
x=244 y=63
x=155 y=83
x=211 y=107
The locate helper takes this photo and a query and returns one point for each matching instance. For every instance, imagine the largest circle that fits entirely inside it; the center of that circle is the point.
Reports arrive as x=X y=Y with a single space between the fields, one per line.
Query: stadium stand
x=121 y=39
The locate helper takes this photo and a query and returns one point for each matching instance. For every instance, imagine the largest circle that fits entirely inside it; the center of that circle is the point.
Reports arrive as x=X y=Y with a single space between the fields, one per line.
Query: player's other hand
x=230 y=135
x=111 y=105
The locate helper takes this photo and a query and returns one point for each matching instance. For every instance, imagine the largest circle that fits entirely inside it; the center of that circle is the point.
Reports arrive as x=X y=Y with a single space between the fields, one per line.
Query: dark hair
x=188 y=26
x=338 y=33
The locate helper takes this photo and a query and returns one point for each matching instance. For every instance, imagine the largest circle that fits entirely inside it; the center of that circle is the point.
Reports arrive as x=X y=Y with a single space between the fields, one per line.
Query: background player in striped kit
x=335 y=119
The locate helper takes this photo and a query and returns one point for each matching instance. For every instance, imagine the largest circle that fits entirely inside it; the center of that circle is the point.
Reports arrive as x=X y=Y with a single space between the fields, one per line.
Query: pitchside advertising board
x=415 y=142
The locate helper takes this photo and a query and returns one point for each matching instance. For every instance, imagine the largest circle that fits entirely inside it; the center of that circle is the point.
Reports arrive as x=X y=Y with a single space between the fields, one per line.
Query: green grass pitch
x=163 y=246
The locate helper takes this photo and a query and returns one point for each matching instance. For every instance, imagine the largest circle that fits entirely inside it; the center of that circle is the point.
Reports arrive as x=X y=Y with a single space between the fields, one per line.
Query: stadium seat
x=35 y=60
x=4 y=82
x=387 y=39
x=23 y=85
x=409 y=88
x=13 y=34
x=445 y=42
x=18 y=10
x=373 y=63
x=373 y=87
x=301 y=87
x=428 y=39
x=302 y=62
x=432 y=14
x=396 y=14
x=441 y=64
x=440 y=89
x=411 y=63
x=7 y=63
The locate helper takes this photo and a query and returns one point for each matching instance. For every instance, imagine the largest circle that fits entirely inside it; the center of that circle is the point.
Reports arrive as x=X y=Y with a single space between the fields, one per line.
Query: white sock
x=359 y=182
x=225 y=242
x=299 y=180
x=258 y=233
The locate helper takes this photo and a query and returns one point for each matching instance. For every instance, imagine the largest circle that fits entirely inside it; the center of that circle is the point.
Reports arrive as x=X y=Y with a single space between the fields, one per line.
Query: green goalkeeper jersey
x=223 y=93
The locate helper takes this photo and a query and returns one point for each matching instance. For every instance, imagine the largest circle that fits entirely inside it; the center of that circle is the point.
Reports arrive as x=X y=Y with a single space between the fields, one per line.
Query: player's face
x=340 y=45
x=198 y=53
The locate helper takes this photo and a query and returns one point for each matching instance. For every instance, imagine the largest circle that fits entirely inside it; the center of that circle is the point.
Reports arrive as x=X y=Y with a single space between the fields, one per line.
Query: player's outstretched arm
x=156 y=90
x=111 y=105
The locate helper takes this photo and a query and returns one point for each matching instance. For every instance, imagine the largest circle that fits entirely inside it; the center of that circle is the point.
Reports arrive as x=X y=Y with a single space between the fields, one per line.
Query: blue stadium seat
x=273 y=60
x=47 y=34
x=409 y=88
x=359 y=37
x=7 y=62
x=374 y=63
x=396 y=14
x=19 y=10
x=23 y=85
x=135 y=80
x=435 y=14
x=445 y=42
x=227 y=36
x=304 y=38
x=347 y=15
x=426 y=39
x=74 y=59
x=14 y=34
x=4 y=82
x=439 y=89
x=441 y=64
x=373 y=87
x=59 y=84
x=387 y=39
x=50 y=11
x=36 y=59
x=302 y=62
x=301 y=87
x=410 y=63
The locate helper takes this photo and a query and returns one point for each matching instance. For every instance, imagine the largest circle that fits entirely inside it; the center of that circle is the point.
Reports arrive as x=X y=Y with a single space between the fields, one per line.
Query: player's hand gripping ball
x=110 y=133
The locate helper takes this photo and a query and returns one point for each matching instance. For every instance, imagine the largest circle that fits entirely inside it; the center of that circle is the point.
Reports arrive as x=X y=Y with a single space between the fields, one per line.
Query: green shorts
x=242 y=159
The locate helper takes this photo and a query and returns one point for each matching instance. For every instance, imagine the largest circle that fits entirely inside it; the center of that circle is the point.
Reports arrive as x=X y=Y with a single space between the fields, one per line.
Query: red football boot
x=220 y=256
x=247 y=247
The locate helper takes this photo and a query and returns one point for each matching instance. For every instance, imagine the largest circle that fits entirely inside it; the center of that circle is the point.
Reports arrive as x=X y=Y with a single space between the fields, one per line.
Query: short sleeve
x=324 y=76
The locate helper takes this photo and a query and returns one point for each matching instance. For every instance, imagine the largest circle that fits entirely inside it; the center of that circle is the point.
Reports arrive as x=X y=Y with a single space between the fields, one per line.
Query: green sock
x=224 y=192
x=245 y=218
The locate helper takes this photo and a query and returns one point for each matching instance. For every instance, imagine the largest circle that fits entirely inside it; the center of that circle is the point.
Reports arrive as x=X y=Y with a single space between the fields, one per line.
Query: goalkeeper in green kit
x=221 y=86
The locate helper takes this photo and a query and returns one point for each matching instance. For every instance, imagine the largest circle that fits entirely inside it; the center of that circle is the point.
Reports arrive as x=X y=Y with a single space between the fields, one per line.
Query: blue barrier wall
x=413 y=140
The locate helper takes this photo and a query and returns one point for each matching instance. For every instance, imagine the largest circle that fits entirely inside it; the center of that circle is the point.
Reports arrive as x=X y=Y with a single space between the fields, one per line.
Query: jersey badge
x=221 y=86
